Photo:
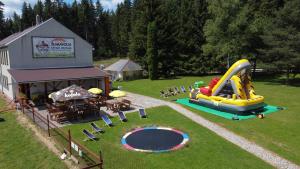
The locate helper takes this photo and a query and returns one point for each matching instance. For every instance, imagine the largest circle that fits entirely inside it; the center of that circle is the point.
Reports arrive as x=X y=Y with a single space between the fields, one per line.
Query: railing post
x=48 y=125
x=22 y=106
x=101 y=160
x=32 y=109
x=70 y=140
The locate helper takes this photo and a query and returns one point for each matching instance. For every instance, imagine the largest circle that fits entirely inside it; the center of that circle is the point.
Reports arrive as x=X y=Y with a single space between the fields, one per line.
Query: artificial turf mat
x=267 y=110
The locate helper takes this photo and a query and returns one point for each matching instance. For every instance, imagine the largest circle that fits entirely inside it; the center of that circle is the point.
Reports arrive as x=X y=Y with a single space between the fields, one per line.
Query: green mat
x=267 y=110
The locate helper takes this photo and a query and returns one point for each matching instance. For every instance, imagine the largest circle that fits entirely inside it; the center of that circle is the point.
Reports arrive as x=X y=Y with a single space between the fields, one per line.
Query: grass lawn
x=107 y=62
x=19 y=148
x=278 y=132
x=204 y=150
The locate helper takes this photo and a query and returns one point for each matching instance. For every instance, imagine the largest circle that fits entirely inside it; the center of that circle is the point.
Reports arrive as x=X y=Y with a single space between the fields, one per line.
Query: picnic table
x=117 y=105
x=113 y=105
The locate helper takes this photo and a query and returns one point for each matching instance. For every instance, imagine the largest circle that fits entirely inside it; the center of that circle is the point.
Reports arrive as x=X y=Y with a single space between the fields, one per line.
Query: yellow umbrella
x=95 y=90
x=117 y=93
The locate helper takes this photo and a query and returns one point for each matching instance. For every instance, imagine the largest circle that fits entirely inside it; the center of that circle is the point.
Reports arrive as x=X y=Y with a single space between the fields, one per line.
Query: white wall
x=8 y=92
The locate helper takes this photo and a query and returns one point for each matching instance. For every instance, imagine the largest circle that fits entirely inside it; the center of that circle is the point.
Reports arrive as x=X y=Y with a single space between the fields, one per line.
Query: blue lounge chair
x=106 y=119
x=142 y=113
x=177 y=91
x=96 y=128
x=182 y=89
x=89 y=135
x=122 y=116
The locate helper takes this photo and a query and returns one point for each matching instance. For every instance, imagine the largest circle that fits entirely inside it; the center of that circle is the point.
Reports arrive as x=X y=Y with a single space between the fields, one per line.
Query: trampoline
x=154 y=139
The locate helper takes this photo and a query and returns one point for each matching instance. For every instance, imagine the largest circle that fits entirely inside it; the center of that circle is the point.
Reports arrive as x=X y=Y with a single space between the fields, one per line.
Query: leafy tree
x=234 y=28
x=152 y=51
x=225 y=30
x=282 y=41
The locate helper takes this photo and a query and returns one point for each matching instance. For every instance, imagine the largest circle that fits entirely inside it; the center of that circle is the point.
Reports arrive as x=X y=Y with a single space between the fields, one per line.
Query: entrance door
x=25 y=89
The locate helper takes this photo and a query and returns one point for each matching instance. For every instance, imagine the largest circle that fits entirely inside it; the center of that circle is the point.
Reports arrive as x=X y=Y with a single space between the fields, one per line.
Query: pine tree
x=2 y=34
x=38 y=9
x=86 y=19
x=28 y=18
x=143 y=12
x=16 y=23
x=48 y=10
x=74 y=17
x=152 y=51
x=167 y=30
x=104 y=44
x=122 y=27
x=190 y=38
x=283 y=40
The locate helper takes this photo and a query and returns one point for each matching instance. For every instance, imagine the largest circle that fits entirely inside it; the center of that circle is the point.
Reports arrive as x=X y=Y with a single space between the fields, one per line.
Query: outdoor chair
x=106 y=119
x=126 y=104
x=109 y=106
x=122 y=116
x=182 y=89
x=190 y=88
x=89 y=135
x=163 y=94
x=171 y=92
x=177 y=91
x=96 y=128
x=142 y=113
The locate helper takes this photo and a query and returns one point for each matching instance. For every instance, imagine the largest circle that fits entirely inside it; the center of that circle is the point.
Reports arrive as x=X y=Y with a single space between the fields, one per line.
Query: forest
x=179 y=37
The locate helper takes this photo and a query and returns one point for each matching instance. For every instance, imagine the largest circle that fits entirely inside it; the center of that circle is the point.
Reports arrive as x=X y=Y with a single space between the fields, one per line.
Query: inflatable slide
x=233 y=93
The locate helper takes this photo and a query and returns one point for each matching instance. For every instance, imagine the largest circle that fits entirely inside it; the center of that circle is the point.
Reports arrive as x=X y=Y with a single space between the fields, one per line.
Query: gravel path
x=262 y=153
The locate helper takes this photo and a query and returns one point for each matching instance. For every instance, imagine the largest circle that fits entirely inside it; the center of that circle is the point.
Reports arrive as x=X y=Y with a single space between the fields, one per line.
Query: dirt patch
x=48 y=142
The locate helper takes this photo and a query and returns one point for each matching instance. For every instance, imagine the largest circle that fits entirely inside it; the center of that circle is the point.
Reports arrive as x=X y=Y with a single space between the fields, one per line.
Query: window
x=4 y=57
x=4 y=81
x=0 y=57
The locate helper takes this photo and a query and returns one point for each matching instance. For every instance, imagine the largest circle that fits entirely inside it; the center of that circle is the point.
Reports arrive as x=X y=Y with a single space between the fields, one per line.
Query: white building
x=124 y=69
x=45 y=58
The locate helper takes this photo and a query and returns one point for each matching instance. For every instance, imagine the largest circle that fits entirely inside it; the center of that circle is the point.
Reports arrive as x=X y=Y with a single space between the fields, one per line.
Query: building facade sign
x=46 y=47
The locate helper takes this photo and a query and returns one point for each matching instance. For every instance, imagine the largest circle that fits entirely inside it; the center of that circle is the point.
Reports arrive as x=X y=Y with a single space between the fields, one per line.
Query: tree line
x=179 y=37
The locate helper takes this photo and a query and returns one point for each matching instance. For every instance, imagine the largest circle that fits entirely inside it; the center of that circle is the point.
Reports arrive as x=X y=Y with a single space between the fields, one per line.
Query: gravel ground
x=262 y=153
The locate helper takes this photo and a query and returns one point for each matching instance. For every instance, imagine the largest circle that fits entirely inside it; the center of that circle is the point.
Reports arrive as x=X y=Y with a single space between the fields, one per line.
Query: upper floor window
x=4 y=57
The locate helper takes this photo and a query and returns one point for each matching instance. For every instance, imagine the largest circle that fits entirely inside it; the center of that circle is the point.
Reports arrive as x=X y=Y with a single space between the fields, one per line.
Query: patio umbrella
x=50 y=95
x=117 y=93
x=95 y=90
x=73 y=92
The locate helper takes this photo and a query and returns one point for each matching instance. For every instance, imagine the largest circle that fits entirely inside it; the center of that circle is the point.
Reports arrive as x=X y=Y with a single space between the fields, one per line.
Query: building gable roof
x=6 y=41
x=124 y=65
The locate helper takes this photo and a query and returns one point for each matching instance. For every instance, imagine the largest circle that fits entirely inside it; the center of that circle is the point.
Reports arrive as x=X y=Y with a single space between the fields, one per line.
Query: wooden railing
x=66 y=135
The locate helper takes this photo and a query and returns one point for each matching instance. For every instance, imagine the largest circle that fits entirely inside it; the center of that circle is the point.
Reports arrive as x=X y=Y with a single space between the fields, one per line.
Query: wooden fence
x=65 y=139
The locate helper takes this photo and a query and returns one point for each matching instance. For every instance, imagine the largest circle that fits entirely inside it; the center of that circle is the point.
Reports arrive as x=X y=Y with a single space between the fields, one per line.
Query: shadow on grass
x=1 y=120
x=277 y=80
